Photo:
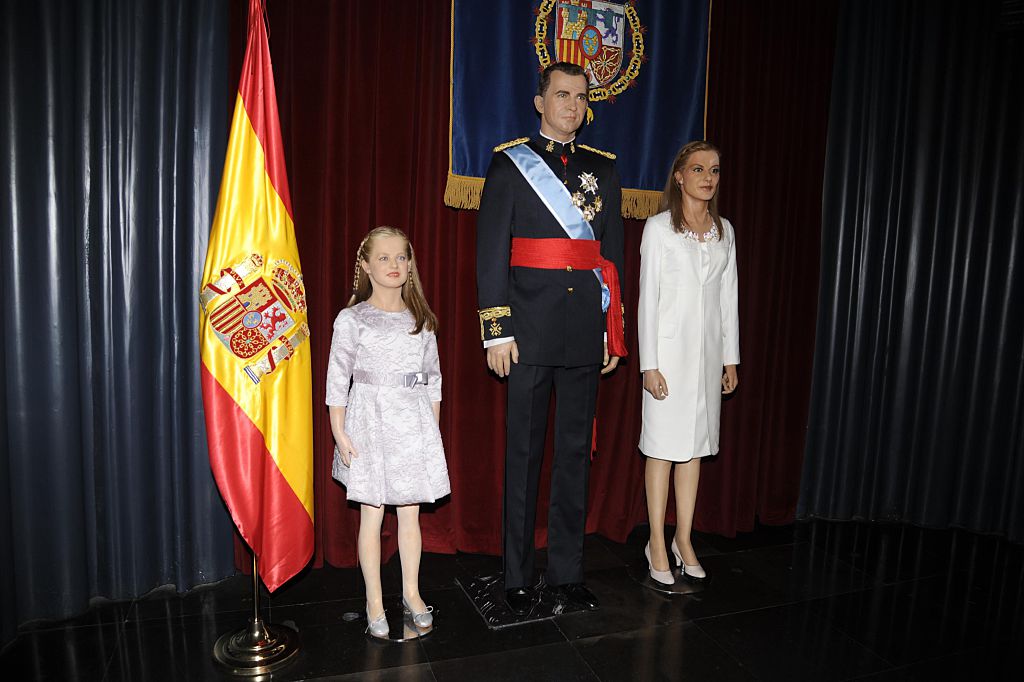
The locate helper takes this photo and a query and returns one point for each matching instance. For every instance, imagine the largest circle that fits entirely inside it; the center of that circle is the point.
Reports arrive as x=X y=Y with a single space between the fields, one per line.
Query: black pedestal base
x=641 y=574
x=488 y=596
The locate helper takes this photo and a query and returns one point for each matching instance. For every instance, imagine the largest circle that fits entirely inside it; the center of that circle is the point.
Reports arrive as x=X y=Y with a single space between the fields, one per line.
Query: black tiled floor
x=680 y=651
x=557 y=662
x=983 y=663
x=914 y=620
x=175 y=648
x=733 y=587
x=791 y=643
x=800 y=571
x=814 y=601
x=71 y=653
x=625 y=605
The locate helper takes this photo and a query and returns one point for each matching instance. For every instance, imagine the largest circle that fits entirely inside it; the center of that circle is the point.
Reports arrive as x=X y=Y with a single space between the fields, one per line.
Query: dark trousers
x=529 y=394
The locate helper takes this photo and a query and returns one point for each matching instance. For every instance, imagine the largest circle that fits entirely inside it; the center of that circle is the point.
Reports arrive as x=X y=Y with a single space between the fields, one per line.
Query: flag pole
x=258 y=648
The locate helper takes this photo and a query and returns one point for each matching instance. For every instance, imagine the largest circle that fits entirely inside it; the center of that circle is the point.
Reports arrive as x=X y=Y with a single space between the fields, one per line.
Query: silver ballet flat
x=378 y=627
x=692 y=572
x=422 y=620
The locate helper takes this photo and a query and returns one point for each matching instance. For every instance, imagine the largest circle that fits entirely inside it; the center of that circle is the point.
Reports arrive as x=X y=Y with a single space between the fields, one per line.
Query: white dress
x=688 y=323
x=401 y=458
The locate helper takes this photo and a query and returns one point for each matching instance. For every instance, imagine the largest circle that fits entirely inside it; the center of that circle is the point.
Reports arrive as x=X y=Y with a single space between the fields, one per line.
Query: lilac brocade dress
x=401 y=457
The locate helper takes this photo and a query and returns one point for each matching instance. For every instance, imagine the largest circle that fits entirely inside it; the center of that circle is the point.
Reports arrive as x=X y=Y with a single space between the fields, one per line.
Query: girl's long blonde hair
x=412 y=290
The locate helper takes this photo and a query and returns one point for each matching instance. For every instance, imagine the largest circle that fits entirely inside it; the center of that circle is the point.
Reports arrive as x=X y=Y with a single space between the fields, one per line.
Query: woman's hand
x=655 y=384
x=730 y=380
x=345 y=448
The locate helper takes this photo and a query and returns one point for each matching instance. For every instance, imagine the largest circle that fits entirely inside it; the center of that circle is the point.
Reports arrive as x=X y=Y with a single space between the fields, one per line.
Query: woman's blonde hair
x=412 y=290
x=672 y=196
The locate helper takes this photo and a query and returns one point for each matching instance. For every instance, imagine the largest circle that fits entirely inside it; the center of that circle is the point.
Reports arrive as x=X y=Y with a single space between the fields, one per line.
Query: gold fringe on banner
x=640 y=203
x=463 y=191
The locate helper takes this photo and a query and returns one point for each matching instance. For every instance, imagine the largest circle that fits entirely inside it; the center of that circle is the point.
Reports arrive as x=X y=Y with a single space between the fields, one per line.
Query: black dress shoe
x=519 y=600
x=580 y=594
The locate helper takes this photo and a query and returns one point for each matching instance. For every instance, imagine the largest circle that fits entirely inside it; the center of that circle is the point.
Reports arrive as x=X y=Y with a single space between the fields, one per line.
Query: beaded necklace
x=711 y=235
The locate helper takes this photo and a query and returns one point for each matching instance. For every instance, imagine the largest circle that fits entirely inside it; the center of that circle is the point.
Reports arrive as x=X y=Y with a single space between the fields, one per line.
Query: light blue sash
x=558 y=201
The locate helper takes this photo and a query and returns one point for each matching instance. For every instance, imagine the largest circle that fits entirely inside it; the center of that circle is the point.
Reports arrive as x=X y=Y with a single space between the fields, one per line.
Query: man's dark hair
x=566 y=68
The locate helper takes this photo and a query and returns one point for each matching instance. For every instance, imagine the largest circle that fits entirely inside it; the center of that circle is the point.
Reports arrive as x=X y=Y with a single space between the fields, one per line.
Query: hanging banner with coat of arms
x=647 y=65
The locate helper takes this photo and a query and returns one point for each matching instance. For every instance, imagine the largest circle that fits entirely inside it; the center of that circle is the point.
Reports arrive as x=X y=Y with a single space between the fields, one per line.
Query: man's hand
x=500 y=357
x=609 y=363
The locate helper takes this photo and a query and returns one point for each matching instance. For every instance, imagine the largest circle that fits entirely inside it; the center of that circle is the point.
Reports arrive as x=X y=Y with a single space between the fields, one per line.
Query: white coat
x=688 y=322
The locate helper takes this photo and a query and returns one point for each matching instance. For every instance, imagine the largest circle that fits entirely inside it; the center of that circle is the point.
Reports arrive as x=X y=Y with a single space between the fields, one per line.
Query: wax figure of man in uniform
x=549 y=216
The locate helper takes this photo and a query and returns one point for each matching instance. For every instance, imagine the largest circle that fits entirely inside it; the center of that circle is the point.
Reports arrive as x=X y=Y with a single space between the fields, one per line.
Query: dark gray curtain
x=114 y=121
x=918 y=390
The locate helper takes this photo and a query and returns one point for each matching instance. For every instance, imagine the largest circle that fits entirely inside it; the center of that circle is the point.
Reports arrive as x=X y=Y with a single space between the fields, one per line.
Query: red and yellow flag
x=254 y=336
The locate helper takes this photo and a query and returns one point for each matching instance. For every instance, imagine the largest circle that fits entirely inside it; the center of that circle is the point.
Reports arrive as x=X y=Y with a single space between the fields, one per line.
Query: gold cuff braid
x=493 y=314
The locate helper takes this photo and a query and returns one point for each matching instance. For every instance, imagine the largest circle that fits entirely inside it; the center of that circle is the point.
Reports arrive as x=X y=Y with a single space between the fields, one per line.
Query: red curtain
x=769 y=87
x=363 y=90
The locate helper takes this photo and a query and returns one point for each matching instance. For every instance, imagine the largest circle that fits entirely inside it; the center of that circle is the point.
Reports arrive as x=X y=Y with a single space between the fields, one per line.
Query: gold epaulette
x=511 y=143
x=596 y=151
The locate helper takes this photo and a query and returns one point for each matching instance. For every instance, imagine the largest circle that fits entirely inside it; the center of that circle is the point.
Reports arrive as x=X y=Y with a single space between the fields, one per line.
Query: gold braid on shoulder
x=511 y=143
x=597 y=151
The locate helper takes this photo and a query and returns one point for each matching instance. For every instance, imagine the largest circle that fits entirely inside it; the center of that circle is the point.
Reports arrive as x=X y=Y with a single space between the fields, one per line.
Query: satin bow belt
x=582 y=254
x=402 y=380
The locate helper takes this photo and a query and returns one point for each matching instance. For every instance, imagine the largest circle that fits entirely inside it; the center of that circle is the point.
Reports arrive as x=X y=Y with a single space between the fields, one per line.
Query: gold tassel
x=640 y=203
x=462 y=191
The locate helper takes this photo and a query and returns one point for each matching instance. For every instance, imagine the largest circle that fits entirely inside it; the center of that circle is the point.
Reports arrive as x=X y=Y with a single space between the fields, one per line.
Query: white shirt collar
x=572 y=139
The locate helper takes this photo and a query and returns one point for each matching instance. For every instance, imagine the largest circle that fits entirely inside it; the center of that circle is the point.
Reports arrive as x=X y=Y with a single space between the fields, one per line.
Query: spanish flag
x=254 y=336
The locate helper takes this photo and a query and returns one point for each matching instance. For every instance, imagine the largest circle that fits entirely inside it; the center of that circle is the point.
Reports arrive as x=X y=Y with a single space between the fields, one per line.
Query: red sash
x=582 y=254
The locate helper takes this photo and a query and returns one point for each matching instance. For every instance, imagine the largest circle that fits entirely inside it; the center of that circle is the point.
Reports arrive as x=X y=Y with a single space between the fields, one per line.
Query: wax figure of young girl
x=388 y=446
x=689 y=345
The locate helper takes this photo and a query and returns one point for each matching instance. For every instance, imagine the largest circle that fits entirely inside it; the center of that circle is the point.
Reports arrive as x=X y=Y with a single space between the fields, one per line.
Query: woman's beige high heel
x=692 y=572
x=663 y=577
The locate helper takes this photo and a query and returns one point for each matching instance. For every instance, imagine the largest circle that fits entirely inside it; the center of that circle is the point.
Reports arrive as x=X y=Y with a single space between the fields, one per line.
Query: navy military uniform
x=556 y=320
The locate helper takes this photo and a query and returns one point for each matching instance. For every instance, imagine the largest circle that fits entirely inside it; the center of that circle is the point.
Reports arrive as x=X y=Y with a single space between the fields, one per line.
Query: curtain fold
x=770 y=80
x=918 y=380
x=114 y=129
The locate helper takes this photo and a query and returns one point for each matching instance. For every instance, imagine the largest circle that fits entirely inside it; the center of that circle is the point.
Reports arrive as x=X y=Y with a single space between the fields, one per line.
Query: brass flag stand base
x=256 y=649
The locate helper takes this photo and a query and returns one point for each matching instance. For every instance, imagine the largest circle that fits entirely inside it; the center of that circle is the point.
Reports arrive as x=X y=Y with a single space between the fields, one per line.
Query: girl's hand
x=346 y=449
x=655 y=384
x=730 y=380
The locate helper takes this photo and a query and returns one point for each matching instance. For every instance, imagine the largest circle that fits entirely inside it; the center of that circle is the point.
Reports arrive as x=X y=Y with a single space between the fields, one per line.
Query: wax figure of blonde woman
x=689 y=345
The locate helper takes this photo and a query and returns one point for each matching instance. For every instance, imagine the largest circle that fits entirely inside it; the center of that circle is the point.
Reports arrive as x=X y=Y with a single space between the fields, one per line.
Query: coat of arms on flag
x=258 y=314
x=593 y=34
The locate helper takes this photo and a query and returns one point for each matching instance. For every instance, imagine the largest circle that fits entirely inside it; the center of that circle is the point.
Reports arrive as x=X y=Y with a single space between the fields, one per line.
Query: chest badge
x=588 y=185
